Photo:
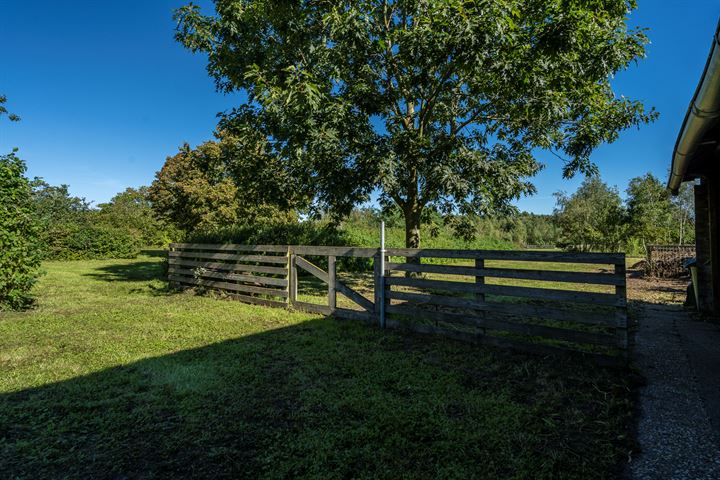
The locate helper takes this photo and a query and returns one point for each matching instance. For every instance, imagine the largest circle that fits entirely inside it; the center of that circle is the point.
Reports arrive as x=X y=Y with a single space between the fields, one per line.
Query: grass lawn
x=114 y=377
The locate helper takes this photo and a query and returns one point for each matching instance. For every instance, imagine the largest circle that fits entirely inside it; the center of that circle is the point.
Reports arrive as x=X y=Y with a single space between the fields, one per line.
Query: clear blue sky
x=105 y=93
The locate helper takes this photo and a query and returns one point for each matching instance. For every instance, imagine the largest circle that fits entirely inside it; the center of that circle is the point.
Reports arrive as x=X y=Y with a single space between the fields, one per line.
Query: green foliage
x=193 y=190
x=19 y=231
x=131 y=211
x=72 y=230
x=3 y=110
x=650 y=211
x=437 y=104
x=591 y=219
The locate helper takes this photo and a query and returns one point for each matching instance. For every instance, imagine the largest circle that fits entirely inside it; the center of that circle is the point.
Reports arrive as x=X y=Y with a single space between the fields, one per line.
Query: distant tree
x=684 y=213
x=591 y=219
x=650 y=211
x=194 y=190
x=54 y=205
x=20 y=253
x=131 y=210
x=437 y=104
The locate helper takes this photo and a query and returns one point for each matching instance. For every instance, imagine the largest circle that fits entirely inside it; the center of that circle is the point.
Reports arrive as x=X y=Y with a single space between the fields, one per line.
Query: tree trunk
x=412 y=227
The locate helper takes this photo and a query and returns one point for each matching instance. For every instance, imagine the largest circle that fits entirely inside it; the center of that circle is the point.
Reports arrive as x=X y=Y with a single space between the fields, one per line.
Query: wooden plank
x=368 y=305
x=462 y=287
x=278 y=259
x=229 y=267
x=507 y=290
x=348 y=314
x=513 y=309
x=505 y=343
x=332 y=295
x=563 y=257
x=377 y=285
x=256 y=300
x=277 y=282
x=312 y=308
x=311 y=268
x=555 y=333
x=322 y=251
x=517 y=273
x=229 y=247
x=235 y=287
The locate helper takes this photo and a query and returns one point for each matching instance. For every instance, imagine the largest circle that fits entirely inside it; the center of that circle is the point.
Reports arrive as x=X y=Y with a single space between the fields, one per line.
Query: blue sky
x=105 y=93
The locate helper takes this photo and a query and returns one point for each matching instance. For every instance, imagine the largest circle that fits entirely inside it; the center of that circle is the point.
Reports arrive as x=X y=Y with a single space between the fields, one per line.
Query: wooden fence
x=537 y=302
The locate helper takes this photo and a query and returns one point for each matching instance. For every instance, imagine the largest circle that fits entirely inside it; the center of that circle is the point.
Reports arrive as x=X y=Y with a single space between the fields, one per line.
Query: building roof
x=700 y=133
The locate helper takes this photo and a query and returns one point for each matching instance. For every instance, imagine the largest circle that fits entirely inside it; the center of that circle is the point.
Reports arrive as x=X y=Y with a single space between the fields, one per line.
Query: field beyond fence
x=536 y=302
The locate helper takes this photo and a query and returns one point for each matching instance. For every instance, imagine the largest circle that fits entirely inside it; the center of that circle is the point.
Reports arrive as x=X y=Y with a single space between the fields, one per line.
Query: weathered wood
x=621 y=293
x=462 y=287
x=355 y=296
x=513 y=309
x=277 y=282
x=510 y=291
x=311 y=268
x=278 y=259
x=562 y=257
x=335 y=251
x=505 y=343
x=377 y=290
x=362 y=316
x=312 y=308
x=235 y=287
x=230 y=267
x=479 y=279
x=229 y=247
x=527 y=329
x=518 y=273
x=256 y=300
x=332 y=296
x=292 y=278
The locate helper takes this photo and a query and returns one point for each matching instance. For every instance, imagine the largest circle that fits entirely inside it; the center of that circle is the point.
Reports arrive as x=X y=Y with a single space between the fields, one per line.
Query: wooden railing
x=538 y=302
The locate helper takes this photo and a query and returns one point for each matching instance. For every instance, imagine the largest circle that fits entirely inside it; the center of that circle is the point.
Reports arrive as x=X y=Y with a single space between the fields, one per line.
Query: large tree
x=592 y=218
x=650 y=210
x=435 y=103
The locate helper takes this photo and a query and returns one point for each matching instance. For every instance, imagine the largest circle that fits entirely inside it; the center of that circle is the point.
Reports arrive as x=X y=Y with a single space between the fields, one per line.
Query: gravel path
x=679 y=426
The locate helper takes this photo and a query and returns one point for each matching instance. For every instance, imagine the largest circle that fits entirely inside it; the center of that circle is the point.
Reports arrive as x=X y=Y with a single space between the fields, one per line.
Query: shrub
x=84 y=240
x=19 y=232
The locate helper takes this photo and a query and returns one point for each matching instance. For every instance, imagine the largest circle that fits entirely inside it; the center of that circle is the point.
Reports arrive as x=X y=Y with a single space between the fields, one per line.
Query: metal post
x=382 y=274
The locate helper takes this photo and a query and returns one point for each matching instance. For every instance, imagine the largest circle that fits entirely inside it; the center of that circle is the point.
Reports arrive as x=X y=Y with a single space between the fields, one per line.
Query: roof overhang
x=698 y=138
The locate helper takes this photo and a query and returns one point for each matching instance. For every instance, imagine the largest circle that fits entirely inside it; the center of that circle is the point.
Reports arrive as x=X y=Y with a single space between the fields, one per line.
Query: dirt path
x=679 y=356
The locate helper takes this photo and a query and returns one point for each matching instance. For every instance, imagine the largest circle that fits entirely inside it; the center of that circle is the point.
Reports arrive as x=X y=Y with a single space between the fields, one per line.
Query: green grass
x=114 y=377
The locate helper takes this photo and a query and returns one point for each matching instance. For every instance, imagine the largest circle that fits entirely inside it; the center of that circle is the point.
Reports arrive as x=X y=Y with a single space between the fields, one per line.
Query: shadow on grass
x=130 y=272
x=321 y=399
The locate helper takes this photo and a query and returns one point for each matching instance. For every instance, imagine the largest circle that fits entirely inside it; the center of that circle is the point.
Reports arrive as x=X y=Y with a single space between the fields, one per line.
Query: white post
x=382 y=274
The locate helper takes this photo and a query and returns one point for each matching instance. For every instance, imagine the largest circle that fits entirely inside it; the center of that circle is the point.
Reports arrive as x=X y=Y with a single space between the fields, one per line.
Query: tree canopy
x=433 y=103
x=592 y=218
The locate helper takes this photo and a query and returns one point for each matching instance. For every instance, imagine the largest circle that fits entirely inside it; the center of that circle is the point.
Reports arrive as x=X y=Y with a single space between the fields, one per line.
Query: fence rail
x=537 y=302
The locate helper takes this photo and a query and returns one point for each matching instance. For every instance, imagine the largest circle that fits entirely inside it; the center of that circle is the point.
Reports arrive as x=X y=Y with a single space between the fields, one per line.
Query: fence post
x=291 y=278
x=621 y=294
x=332 y=295
x=480 y=280
x=382 y=274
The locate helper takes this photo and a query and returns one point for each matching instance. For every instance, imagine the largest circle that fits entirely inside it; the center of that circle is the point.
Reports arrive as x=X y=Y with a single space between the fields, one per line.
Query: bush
x=79 y=241
x=20 y=253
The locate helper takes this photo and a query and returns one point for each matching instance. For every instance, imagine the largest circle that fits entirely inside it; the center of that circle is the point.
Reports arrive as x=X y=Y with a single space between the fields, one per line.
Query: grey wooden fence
x=537 y=302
